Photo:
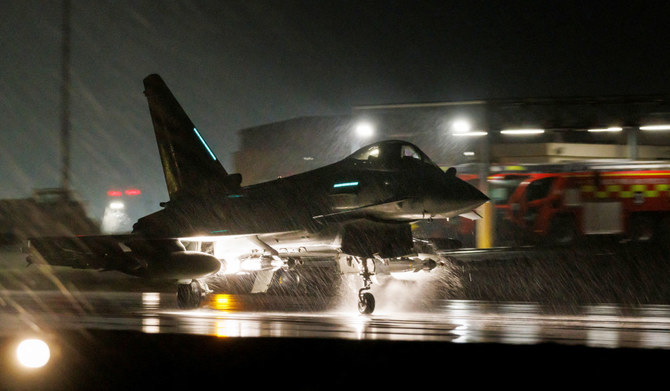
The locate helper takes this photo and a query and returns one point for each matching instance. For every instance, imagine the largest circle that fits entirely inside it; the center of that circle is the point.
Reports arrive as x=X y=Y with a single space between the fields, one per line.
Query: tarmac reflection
x=248 y=316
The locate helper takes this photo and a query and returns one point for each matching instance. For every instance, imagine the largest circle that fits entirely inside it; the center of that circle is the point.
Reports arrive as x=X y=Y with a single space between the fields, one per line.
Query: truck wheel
x=563 y=232
x=641 y=228
x=662 y=233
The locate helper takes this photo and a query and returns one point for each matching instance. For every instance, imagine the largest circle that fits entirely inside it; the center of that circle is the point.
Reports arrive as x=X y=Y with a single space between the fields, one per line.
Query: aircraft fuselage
x=398 y=190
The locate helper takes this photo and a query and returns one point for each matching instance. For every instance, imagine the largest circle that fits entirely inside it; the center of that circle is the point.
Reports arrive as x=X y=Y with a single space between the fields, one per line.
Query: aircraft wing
x=136 y=255
x=103 y=252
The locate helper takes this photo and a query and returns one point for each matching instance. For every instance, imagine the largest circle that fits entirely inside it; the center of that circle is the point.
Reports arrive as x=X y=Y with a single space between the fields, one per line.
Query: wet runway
x=123 y=340
x=249 y=316
x=491 y=321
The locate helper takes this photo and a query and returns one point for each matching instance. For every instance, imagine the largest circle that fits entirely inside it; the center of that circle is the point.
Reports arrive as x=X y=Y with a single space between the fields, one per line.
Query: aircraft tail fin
x=189 y=164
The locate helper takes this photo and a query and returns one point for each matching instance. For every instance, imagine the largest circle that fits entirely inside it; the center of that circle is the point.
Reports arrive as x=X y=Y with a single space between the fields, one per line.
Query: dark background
x=237 y=64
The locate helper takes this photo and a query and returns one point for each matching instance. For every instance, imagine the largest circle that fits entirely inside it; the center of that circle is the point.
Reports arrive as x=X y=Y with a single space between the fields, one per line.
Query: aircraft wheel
x=189 y=296
x=366 y=303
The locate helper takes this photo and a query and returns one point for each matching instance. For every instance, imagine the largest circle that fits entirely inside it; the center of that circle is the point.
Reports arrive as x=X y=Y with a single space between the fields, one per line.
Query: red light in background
x=132 y=192
x=114 y=193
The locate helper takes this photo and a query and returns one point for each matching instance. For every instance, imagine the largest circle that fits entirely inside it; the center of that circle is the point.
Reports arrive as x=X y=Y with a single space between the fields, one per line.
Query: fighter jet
x=358 y=211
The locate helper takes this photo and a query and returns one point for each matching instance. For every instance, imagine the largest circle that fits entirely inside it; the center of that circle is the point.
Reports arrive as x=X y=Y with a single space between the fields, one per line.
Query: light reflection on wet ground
x=646 y=326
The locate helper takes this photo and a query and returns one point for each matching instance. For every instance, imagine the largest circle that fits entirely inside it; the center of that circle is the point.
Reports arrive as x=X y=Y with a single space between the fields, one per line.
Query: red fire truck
x=502 y=184
x=632 y=202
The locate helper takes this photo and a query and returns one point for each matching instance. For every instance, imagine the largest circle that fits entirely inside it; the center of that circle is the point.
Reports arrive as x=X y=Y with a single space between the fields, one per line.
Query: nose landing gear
x=366 y=301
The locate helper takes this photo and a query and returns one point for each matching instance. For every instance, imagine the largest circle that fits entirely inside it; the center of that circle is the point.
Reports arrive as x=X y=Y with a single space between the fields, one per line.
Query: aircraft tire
x=189 y=296
x=366 y=303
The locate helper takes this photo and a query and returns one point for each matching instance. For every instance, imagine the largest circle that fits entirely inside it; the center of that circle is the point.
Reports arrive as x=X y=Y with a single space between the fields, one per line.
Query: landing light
x=33 y=353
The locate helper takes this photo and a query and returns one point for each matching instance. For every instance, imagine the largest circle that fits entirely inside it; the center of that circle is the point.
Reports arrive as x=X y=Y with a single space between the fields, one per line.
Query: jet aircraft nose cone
x=453 y=196
x=478 y=195
x=473 y=196
x=467 y=191
x=467 y=195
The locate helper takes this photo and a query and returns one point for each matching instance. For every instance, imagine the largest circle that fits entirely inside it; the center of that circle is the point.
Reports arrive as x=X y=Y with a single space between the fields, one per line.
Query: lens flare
x=33 y=353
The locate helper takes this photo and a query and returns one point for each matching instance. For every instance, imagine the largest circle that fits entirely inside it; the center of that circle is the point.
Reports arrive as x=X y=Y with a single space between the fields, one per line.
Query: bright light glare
x=230 y=250
x=251 y=264
x=116 y=205
x=475 y=133
x=33 y=353
x=225 y=303
x=522 y=131
x=468 y=153
x=232 y=265
x=365 y=130
x=655 y=127
x=461 y=126
x=151 y=325
x=151 y=300
x=610 y=129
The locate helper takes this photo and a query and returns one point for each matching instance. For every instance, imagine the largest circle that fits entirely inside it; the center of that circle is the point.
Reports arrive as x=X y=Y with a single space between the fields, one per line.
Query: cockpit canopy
x=390 y=155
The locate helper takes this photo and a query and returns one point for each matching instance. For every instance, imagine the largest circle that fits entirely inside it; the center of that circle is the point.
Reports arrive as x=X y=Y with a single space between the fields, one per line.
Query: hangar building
x=533 y=130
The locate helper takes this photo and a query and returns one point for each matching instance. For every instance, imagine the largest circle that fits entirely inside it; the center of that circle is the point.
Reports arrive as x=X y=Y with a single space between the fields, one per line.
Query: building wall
x=290 y=147
x=301 y=144
x=560 y=152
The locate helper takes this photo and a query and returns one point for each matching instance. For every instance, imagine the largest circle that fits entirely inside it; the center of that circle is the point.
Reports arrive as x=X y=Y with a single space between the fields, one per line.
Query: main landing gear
x=191 y=295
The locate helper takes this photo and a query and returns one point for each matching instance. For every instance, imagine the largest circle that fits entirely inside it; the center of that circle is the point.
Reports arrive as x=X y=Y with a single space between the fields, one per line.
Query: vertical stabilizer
x=189 y=164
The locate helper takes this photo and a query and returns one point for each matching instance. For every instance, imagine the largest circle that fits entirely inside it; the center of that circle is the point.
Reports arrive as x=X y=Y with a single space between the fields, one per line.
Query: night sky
x=237 y=64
